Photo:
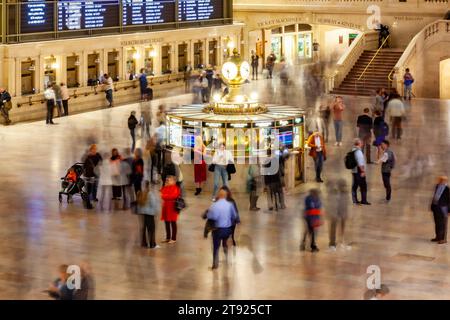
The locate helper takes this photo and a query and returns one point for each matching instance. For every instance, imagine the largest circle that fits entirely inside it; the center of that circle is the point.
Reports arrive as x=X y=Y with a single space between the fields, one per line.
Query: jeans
x=109 y=96
x=338 y=126
x=149 y=231
x=220 y=235
x=387 y=184
x=50 y=106
x=133 y=139
x=92 y=186
x=359 y=182
x=219 y=172
x=407 y=91
x=60 y=108
x=318 y=164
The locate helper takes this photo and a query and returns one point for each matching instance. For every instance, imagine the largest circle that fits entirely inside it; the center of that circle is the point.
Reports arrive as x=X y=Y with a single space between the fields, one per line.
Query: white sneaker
x=340 y=143
x=156 y=247
x=346 y=247
x=336 y=144
x=332 y=248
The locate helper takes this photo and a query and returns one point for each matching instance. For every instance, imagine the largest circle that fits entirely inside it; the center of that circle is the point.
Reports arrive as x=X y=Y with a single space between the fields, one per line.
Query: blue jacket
x=143 y=81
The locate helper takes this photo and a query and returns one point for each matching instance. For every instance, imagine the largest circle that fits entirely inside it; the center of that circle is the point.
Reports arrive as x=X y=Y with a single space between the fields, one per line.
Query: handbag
x=211 y=167
x=180 y=204
x=231 y=168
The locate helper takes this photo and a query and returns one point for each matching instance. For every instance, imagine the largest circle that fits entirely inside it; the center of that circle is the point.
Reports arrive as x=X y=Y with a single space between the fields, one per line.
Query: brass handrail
x=370 y=62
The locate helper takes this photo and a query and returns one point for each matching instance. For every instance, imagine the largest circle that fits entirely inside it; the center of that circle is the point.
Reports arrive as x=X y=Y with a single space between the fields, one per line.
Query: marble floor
x=37 y=233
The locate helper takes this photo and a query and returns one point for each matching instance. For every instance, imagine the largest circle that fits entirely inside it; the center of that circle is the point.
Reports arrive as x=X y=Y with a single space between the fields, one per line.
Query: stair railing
x=370 y=64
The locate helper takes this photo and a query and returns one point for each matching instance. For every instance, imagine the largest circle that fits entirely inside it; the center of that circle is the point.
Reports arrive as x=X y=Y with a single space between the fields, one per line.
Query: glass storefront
x=304 y=45
x=276 y=47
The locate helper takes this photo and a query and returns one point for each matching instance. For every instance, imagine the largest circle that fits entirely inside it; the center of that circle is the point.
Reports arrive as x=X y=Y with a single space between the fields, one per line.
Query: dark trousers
x=50 y=107
x=397 y=127
x=154 y=159
x=109 y=96
x=387 y=184
x=171 y=230
x=318 y=164
x=5 y=113
x=334 y=223
x=137 y=183
x=133 y=139
x=159 y=159
x=149 y=231
x=92 y=186
x=311 y=232
x=117 y=191
x=59 y=105
x=253 y=199
x=66 y=107
x=270 y=70
x=255 y=72
x=366 y=147
x=220 y=235
x=359 y=182
x=440 y=215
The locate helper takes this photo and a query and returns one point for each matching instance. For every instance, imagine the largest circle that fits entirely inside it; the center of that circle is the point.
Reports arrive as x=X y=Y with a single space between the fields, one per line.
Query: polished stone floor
x=37 y=233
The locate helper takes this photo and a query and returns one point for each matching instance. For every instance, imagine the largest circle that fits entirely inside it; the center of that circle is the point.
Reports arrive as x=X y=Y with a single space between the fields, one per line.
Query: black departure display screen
x=36 y=16
x=79 y=15
x=195 y=10
x=137 y=12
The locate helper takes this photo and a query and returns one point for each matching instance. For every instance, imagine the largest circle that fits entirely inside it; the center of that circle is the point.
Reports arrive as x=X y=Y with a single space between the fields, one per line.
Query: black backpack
x=350 y=160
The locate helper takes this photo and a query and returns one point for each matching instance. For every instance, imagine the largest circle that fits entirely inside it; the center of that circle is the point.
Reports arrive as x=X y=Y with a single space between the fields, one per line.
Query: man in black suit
x=440 y=207
x=365 y=126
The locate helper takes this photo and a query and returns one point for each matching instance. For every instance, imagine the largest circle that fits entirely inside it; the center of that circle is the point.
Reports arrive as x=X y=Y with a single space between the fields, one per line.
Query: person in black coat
x=365 y=126
x=132 y=123
x=272 y=182
x=440 y=206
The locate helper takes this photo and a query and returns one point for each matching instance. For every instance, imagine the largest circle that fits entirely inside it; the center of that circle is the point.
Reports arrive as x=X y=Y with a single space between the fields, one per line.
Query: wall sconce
x=77 y=62
x=97 y=60
x=152 y=52
x=32 y=68
x=136 y=55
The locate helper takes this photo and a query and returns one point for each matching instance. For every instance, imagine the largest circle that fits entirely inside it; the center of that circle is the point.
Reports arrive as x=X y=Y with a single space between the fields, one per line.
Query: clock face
x=229 y=70
x=245 y=70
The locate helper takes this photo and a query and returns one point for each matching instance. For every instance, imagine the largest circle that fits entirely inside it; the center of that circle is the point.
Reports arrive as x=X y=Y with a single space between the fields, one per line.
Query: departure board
x=36 y=16
x=136 y=12
x=78 y=15
x=194 y=10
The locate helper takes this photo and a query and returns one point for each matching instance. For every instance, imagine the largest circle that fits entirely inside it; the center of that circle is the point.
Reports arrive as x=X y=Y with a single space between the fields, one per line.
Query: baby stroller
x=69 y=188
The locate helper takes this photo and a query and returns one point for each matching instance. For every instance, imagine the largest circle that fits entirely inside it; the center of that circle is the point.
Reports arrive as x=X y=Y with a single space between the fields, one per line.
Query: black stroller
x=69 y=189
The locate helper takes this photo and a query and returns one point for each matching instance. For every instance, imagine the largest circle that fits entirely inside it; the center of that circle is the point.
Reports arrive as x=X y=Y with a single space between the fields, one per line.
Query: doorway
x=28 y=73
x=182 y=57
x=444 y=81
x=93 y=70
x=73 y=63
x=113 y=65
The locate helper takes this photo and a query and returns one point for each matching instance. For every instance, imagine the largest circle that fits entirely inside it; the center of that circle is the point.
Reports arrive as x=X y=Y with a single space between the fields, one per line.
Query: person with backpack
x=355 y=161
x=132 y=123
x=387 y=161
x=5 y=105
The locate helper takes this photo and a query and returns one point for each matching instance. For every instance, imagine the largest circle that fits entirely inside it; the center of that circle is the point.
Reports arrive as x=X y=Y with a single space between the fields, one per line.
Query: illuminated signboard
x=136 y=12
x=194 y=10
x=36 y=16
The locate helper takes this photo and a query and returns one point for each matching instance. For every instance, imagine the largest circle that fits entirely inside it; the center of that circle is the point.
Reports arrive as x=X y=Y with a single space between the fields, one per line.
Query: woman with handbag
x=170 y=192
x=220 y=161
x=313 y=219
x=199 y=164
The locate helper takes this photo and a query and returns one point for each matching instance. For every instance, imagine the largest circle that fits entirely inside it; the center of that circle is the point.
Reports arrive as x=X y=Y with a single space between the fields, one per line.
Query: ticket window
x=72 y=71
x=113 y=65
x=150 y=54
x=165 y=60
x=28 y=75
x=212 y=53
x=50 y=67
x=93 y=64
x=182 y=57
x=198 y=55
x=131 y=64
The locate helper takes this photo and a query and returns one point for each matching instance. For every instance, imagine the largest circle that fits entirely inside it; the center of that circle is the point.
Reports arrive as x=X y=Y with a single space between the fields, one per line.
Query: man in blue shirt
x=224 y=215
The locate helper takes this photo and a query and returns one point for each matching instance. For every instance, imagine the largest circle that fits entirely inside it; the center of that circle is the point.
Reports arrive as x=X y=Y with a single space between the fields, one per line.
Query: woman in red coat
x=169 y=193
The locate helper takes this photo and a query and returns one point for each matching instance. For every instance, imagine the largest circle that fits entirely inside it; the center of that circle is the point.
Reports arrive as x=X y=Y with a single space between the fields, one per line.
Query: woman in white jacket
x=105 y=183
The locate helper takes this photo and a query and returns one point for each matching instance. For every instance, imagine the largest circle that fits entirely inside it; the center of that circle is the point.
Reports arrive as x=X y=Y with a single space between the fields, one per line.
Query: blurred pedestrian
x=395 y=112
x=5 y=105
x=65 y=98
x=254 y=64
x=137 y=170
x=272 y=182
x=253 y=185
x=148 y=206
x=115 y=161
x=58 y=99
x=108 y=87
x=90 y=171
x=380 y=131
x=365 y=126
x=440 y=206
x=270 y=64
x=49 y=96
x=338 y=108
x=408 y=80
x=105 y=183
x=126 y=179
x=199 y=164
x=324 y=113
x=224 y=215
x=132 y=123
x=143 y=84
x=317 y=151
x=220 y=160
x=338 y=213
x=237 y=220
x=313 y=220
